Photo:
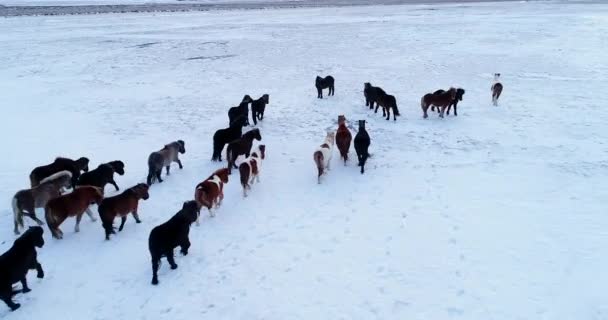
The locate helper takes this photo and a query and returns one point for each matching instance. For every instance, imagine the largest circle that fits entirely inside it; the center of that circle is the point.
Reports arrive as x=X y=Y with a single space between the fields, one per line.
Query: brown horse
x=439 y=100
x=163 y=158
x=121 y=205
x=343 y=138
x=210 y=192
x=250 y=168
x=26 y=201
x=70 y=205
x=496 y=89
x=387 y=102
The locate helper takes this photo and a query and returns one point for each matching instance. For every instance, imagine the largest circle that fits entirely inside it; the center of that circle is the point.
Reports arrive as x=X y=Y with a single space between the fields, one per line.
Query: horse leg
x=333 y=90
x=371 y=104
x=6 y=295
x=77 y=226
x=39 y=271
x=388 y=114
x=168 y=168
x=155 y=264
x=377 y=106
x=171 y=259
x=33 y=217
x=90 y=214
x=158 y=173
x=114 y=184
x=319 y=93
x=179 y=163
x=136 y=216
x=185 y=245
x=24 y=285
x=123 y=219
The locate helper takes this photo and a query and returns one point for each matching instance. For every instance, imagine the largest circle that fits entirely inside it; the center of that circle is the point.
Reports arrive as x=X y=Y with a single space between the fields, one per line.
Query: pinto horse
x=441 y=100
x=70 y=205
x=210 y=192
x=163 y=158
x=121 y=205
x=241 y=146
x=26 y=201
x=322 y=156
x=496 y=89
x=250 y=168
x=324 y=83
x=343 y=138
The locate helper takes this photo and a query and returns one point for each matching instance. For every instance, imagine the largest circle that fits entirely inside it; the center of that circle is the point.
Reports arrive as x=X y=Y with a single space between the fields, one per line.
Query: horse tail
x=152 y=167
x=318 y=157
x=200 y=196
x=422 y=104
x=33 y=180
x=244 y=171
x=16 y=212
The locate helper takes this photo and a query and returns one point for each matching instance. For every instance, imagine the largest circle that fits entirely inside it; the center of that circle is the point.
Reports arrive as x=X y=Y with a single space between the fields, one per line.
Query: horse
x=324 y=83
x=241 y=110
x=210 y=192
x=343 y=138
x=224 y=136
x=257 y=108
x=171 y=234
x=459 y=94
x=163 y=158
x=250 y=168
x=441 y=100
x=25 y=202
x=362 y=143
x=241 y=146
x=496 y=89
x=387 y=102
x=17 y=261
x=60 y=164
x=121 y=205
x=69 y=205
x=371 y=94
x=102 y=175
x=322 y=156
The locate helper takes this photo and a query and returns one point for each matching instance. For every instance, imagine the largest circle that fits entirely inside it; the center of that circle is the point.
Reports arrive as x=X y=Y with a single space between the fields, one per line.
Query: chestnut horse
x=496 y=89
x=70 y=205
x=440 y=100
x=343 y=138
x=250 y=168
x=210 y=192
x=121 y=205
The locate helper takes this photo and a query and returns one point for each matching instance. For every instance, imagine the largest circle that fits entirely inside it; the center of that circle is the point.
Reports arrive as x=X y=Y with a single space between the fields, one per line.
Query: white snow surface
x=499 y=213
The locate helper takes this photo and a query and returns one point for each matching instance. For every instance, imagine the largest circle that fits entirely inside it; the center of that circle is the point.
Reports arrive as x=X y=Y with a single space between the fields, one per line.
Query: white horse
x=322 y=155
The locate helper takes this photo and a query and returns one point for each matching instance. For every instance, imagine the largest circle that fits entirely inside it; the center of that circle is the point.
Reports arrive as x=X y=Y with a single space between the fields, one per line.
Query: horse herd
x=49 y=183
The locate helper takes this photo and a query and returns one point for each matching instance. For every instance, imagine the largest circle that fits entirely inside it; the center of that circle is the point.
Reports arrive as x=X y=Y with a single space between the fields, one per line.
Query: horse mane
x=57 y=175
x=251 y=132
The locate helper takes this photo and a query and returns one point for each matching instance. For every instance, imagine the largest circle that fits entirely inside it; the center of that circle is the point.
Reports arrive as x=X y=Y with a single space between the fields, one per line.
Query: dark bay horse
x=73 y=204
x=241 y=146
x=120 y=206
x=459 y=94
x=441 y=100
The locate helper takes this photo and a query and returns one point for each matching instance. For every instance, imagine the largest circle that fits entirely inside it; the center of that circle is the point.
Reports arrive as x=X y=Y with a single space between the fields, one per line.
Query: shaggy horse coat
x=17 y=261
x=441 y=100
x=26 y=201
x=72 y=204
x=163 y=158
x=102 y=175
x=324 y=83
x=387 y=102
x=224 y=136
x=459 y=94
x=343 y=138
x=371 y=94
x=257 y=108
x=171 y=234
x=60 y=164
x=241 y=146
x=210 y=192
x=250 y=168
x=496 y=89
x=362 y=143
x=121 y=205
x=241 y=111
x=322 y=155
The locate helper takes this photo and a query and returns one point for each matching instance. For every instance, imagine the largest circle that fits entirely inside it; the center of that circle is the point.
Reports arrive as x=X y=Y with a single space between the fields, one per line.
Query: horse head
x=459 y=93
x=141 y=190
x=83 y=164
x=367 y=85
x=341 y=119
x=34 y=236
x=361 y=125
x=247 y=99
x=191 y=211
x=256 y=134
x=181 y=146
x=452 y=93
x=266 y=98
x=118 y=167
x=223 y=174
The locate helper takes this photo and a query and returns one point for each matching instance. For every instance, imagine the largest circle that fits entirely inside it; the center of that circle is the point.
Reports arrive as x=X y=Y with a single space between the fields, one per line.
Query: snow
x=498 y=213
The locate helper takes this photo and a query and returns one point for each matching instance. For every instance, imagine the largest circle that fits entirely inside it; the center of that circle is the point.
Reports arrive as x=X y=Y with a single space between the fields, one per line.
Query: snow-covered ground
x=499 y=213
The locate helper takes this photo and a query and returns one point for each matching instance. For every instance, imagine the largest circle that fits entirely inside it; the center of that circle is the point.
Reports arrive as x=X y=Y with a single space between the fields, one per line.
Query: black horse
x=241 y=146
x=241 y=110
x=171 y=234
x=362 y=143
x=324 y=83
x=257 y=108
x=60 y=164
x=371 y=94
x=459 y=94
x=17 y=261
x=224 y=136
x=102 y=175
x=387 y=102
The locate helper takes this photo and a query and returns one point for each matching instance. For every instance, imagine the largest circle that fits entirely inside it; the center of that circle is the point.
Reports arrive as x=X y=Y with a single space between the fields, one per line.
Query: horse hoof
x=15 y=306
x=154 y=281
x=173 y=267
x=26 y=290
